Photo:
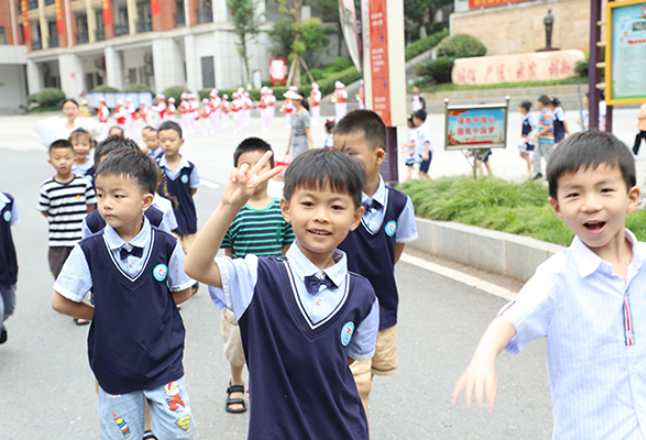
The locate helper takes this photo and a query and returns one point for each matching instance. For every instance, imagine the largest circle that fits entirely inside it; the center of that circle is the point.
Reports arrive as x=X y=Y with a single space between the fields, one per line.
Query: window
x=132 y=76
x=3 y=39
x=208 y=73
x=89 y=81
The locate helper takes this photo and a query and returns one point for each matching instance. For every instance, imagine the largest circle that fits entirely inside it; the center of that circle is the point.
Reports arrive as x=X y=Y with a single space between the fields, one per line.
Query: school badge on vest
x=391 y=228
x=160 y=271
x=7 y=216
x=346 y=333
x=184 y=179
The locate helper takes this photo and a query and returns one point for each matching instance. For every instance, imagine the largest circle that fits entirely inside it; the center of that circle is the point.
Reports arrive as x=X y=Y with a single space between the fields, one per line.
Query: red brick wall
x=5 y=19
x=165 y=20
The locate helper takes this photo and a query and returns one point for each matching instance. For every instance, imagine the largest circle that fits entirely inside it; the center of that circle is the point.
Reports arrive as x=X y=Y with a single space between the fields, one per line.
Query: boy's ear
x=358 y=215
x=148 y=200
x=554 y=203
x=182 y=142
x=284 y=209
x=381 y=155
x=633 y=198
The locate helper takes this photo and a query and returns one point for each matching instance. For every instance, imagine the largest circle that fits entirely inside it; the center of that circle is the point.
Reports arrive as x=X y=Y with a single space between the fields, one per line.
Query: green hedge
x=49 y=96
x=134 y=87
x=421 y=46
x=439 y=69
x=461 y=46
x=175 y=92
x=105 y=89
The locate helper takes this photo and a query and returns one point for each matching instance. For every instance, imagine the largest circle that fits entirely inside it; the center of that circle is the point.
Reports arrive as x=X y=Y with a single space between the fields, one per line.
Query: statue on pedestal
x=548 y=21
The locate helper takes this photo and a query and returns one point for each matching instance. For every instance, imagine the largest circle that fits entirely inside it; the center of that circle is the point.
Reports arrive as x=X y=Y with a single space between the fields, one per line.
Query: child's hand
x=479 y=378
x=243 y=181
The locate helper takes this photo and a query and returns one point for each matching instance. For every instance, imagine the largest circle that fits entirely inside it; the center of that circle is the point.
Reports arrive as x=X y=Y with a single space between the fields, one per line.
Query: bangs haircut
x=61 y=143
x=170 y=125
x=317 y=168
x=79 y=132
x=587 y=150
x=543 y=99
x=135 y=164
x=111 y=144
x=252 y=144
x=367 y=122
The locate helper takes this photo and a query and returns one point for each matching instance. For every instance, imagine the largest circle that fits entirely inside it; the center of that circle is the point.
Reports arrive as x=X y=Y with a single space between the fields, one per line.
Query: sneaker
x=3 y=335
x=538 y=176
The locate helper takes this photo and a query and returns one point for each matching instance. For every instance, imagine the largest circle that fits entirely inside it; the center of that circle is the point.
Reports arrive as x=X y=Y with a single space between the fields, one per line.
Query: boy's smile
x=321 y=219
x=122 y=203
x=594 y=204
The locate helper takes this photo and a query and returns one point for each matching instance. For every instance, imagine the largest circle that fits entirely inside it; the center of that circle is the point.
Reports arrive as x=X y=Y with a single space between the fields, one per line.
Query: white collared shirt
x=598 y=382
x=14 y=211
x=194 y=178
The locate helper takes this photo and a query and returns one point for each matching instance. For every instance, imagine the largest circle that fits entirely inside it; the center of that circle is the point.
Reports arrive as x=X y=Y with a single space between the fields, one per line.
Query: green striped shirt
x=259 y=232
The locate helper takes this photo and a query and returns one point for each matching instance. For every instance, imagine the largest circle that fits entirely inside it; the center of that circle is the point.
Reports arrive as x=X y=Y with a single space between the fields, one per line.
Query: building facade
x=76 y=45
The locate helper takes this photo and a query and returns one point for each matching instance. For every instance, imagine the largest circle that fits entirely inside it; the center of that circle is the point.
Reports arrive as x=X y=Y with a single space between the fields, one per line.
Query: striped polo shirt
x=258 y=232
x=66 y=205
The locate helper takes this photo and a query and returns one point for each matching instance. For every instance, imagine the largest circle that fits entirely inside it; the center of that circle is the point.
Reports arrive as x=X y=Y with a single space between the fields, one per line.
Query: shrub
x=461 y=46
x=347 y=76
x=175 y=92
x=105 y=89
x=421 y=46
x=134 y=87
x=342 y=63
x=49 y=96
x=318 y=74
x=440 y=69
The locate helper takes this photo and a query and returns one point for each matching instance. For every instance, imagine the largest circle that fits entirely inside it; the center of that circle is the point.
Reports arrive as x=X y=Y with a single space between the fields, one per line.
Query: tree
x=421 y=12
x=247 y=25
x=330 y=11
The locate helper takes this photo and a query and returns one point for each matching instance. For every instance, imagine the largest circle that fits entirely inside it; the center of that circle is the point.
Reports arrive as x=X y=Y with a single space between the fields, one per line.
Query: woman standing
x=51 y=129
x=300 y=136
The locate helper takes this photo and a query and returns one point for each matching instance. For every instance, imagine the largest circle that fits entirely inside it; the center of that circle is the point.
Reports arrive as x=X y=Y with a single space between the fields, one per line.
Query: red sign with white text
x=379 y=59
x=107 y=12
x=474 y=4
x=154 y=7
x=24 y=5
x=59 y=16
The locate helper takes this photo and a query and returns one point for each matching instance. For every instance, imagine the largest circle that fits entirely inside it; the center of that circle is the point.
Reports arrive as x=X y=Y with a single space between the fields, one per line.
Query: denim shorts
x=122 y=416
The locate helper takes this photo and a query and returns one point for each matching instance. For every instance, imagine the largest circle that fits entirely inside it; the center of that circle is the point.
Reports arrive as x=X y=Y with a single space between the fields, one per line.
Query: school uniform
x=8 y=260
x=156 y=153
x=166 y=207
x=424 y=135
x=389 y=218
x=595 y=325
x=82 y=170
x=559 y=126
x=136 y=339
x=93 y=223
x=179 y=184
x=296 y=343
x=528 y=126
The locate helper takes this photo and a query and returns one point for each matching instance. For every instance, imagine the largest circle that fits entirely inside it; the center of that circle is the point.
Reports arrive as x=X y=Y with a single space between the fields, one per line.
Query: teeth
x=319 y=232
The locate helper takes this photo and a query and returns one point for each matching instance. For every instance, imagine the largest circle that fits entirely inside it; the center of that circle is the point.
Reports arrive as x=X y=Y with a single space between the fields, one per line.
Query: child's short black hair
x=148 y=127
x=252 y=144
x=526 y=105
x=170 y=125
x=420 y=114
x=78 y=133
x=543 y=99
x=61 y=143
x=555 y=101
x=111 y=144
x=116 y=127
x=322 y=166
x=135 y=164
x=329 y=125
x=367 y=122
x=590 y=149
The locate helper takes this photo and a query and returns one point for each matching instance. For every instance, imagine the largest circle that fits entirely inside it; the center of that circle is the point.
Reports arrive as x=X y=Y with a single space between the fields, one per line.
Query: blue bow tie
x=371 y=204
x=135 y=251
x=313 y=282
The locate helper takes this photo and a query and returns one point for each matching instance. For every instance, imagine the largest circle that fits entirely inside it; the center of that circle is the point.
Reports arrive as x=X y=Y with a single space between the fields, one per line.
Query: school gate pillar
x=34 y=77
x=113 y=68
x=71 y=72
x=167 y=64
x=193 y=77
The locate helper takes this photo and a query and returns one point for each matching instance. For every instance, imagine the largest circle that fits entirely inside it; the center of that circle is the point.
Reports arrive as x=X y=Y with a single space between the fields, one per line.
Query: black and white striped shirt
x=66 y=204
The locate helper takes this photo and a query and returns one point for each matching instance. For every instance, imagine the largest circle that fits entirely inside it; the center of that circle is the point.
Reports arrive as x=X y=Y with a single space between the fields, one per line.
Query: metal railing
x=121 y=29
x=82 y=38
x=180 y=19
x=52 y=41
x=100 y=35
x=205 y=15
x=144 y=26
x=36 y=45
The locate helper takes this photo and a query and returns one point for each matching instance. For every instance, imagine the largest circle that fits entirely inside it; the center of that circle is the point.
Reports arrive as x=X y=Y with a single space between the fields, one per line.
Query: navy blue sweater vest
x=559 y=130
x=527 y=128
x=301 y=385
x=136 y=340
x=373 y=256
x=185 y=210
x=90 y=175
x=8 y=261
x=95 y=222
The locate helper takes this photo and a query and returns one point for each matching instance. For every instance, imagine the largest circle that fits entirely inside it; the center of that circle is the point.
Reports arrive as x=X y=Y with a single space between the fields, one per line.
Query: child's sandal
x=235 y=389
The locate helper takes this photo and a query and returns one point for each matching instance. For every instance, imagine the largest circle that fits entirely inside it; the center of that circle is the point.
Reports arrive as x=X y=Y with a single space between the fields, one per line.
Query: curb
x=494 y=251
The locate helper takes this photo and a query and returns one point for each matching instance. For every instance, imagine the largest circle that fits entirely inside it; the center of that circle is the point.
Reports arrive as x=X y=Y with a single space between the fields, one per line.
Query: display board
x=626 y=52
x=476 y=126
x=475 y=4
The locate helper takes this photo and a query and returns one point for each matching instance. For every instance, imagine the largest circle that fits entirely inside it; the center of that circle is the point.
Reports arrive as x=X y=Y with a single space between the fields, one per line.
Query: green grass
x=449 y=87
x=517 y=208
x=45 y=109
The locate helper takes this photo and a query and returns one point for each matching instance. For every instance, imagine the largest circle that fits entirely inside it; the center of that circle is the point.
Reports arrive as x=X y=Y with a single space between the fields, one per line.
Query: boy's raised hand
x=243 y=180
x=478 y=379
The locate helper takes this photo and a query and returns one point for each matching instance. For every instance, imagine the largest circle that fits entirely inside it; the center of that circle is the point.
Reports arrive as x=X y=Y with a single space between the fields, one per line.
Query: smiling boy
x=303 y=317
x=136 y=274
x=587 y=300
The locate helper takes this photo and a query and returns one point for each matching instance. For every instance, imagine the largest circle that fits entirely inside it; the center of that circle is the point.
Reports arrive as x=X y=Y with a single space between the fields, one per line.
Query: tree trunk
x=340 y=45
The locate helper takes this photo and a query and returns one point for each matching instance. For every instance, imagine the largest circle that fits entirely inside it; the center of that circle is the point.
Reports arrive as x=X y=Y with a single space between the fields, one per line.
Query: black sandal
x=148 y=435
x=237 y=401
x=83 y=321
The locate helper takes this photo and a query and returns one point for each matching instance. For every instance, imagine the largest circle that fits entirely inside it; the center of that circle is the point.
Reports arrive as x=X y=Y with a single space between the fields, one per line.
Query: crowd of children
x=306 y=286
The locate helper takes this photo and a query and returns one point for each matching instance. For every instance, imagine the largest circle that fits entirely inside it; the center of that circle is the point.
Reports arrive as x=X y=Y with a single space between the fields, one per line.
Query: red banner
x=379 y=59
x=474 y=4
x=59 y=17
x=24 y=5
x=107 y=12
x=154 y=7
